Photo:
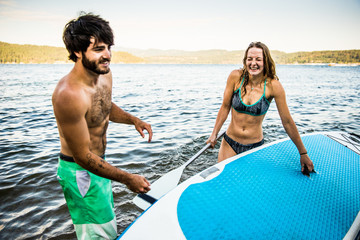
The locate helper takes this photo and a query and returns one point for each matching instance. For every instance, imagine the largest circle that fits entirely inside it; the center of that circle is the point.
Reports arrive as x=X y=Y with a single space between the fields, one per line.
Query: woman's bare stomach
x=245 y=132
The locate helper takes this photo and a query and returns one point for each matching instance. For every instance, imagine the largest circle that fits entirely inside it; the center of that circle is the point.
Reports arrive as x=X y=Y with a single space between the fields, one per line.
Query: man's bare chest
x=100 y=106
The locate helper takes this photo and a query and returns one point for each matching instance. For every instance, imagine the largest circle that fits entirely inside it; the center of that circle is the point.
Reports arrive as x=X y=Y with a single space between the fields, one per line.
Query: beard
x=94 y=65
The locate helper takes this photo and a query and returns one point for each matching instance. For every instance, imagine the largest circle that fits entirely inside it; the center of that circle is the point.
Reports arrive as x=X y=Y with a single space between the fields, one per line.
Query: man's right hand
x=138 y=184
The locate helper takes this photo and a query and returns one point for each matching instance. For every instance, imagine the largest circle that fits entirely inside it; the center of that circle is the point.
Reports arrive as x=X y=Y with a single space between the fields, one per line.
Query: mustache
x=102 y=60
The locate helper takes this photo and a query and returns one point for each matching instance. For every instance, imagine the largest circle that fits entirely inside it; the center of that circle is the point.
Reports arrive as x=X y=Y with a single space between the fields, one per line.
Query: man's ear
x=78 y=54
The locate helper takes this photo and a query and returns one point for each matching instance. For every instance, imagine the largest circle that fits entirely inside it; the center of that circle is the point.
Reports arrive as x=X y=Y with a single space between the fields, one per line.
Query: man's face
x=97 y=57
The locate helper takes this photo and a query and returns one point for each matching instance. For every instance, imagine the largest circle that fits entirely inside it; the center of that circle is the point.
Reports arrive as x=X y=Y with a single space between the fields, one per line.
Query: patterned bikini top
x=257 y=109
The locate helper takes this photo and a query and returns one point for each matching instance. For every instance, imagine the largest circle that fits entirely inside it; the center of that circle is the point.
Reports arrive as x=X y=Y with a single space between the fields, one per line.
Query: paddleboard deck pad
x=262 y=194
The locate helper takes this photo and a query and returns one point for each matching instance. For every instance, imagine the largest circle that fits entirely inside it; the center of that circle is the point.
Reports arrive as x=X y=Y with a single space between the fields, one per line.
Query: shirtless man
x=83 y=108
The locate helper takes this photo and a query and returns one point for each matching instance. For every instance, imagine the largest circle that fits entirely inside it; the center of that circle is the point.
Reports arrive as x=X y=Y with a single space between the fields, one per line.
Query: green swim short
x=89 y=199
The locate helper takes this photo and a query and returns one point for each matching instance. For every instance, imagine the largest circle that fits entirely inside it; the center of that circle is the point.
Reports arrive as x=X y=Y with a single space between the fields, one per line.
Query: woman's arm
x=225 y=106
x=289 y=124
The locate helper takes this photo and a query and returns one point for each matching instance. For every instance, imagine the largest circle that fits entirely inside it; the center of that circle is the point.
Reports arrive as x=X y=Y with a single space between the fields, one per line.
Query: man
x=83 y=108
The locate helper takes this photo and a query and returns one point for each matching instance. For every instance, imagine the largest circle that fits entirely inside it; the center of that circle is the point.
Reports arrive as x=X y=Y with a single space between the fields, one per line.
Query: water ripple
x=181 y=103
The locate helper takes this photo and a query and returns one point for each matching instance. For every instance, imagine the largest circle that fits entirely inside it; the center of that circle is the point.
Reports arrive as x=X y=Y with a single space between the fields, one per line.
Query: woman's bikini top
x=257 y=109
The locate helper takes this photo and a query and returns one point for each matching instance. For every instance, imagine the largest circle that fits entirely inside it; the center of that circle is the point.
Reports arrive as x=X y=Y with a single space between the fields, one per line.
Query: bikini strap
x=265 y=86
x=242 y=81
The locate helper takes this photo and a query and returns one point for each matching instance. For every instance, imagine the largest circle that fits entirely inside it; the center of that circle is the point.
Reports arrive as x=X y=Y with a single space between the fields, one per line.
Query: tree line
x=339 y=57
x=16 y=53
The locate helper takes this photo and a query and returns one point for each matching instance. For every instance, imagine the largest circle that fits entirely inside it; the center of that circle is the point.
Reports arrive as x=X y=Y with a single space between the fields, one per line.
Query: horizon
x=286 y=26
x=122 y=49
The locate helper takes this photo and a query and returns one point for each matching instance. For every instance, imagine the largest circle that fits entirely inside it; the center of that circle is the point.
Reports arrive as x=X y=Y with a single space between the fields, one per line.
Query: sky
x=285 y=25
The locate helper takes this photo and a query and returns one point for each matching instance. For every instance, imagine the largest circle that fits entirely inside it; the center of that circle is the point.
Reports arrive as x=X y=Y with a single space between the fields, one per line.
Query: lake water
x=181 y=103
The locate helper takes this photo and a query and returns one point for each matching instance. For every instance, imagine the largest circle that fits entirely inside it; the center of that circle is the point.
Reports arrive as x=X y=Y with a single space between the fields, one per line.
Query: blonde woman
x=248 y=94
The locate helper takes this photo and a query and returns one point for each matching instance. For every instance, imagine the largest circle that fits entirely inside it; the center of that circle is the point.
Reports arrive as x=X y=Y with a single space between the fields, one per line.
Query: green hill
x=339 y=57
x=15 y=53
x=235 y=57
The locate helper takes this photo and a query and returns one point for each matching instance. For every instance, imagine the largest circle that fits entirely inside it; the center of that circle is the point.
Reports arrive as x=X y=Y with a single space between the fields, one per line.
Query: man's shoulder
x=69 y=93
x=67 y=88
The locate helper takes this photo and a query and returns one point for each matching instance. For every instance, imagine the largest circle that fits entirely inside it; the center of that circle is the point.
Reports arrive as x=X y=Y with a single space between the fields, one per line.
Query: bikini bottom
x=238 y=147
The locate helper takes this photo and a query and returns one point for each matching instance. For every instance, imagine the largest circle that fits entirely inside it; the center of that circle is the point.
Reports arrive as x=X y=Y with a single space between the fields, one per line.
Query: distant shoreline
x=326 y=64
x=32 y=54
x=289 y=64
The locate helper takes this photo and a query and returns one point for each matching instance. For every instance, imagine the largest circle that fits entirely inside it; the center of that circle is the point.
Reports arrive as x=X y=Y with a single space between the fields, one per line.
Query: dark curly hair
x=78 y=32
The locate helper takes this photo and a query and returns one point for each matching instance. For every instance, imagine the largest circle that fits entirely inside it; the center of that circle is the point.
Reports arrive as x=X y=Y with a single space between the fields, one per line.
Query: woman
x=248 y=93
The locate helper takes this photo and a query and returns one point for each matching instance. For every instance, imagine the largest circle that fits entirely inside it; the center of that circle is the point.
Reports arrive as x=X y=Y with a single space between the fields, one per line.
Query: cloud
x=10 y=10
x=25 y=15
x=7 y=3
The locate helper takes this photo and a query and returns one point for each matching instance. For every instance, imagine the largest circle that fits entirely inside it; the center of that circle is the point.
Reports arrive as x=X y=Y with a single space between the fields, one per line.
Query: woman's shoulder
x=275 y=86
x=234 y=78
x=275 y=82
x=236 y=73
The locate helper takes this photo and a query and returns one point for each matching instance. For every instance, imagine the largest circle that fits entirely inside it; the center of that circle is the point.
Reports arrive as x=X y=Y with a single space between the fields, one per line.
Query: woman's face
x=255 y=61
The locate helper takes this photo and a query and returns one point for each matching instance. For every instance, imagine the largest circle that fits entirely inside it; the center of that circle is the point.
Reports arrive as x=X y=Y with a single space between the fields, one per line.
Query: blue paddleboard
x=262 y=194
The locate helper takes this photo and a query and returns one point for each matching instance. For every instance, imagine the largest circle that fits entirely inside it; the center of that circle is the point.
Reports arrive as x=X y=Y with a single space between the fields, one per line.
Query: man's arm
x=120 y=116
x=70 y=110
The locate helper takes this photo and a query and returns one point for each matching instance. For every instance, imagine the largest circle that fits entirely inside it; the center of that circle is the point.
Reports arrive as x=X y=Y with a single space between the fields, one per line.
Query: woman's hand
x=307 y=165
x=212 y=140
